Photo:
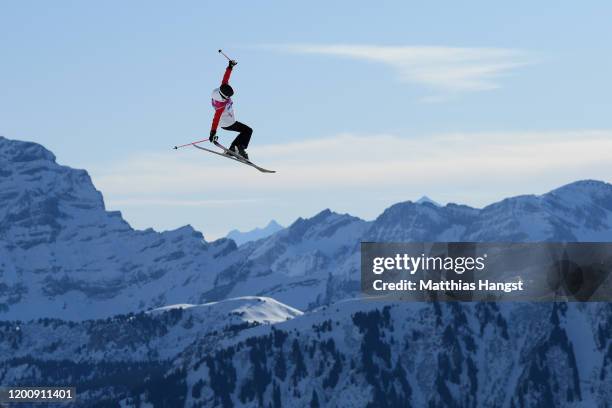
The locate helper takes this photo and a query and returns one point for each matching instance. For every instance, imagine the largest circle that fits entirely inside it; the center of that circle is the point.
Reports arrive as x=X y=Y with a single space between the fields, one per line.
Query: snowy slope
x=250 y=309
x=160 y=334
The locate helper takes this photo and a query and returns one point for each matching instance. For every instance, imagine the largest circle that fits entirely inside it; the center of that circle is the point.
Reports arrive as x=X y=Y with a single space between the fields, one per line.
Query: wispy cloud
x=359 y=174
x=447 y=70
x=170 y=202
x=355 y=161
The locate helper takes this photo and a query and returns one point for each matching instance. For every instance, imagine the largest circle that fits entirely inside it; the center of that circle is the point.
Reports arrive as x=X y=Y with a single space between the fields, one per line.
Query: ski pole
x=191 y=144
x=228 y=58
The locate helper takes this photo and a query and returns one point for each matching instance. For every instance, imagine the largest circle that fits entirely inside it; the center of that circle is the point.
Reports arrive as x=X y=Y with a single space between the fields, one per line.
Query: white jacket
x=227 y=106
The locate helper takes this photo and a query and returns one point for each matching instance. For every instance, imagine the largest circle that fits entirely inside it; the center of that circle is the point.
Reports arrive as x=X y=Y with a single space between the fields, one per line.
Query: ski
x=242 y=159
x=233 y=156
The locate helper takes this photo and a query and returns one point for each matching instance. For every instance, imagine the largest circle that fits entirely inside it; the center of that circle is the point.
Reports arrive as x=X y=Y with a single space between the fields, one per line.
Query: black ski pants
x=244 y=135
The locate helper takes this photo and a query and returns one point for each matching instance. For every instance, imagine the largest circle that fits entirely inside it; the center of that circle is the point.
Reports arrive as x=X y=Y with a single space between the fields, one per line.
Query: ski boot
x=238 y=150
x=242 y=152
x=232 y=149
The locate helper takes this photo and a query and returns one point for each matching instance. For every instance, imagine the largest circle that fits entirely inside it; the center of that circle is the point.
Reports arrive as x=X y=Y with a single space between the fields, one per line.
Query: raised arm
x=220 y=106
x=226 y=76
x=228 y=72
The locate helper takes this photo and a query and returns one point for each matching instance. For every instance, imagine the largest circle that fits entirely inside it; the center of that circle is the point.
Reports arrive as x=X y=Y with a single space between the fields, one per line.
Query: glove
x=213 y=136
x=232 y=63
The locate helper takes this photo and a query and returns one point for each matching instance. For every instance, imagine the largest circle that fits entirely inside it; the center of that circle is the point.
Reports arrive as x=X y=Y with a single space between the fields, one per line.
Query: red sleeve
x=226 y=76
x=218 y=112
x=216 y=118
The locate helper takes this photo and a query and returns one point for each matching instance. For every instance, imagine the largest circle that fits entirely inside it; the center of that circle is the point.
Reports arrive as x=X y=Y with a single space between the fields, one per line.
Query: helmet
x=226 y=91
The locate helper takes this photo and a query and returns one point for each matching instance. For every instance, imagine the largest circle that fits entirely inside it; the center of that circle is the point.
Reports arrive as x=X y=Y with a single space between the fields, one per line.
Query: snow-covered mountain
x=63 y=255
x=112 y=356
x=141 y=318
x=309 y=263
x=581 y=211
x=351 y=354
x=253 y=235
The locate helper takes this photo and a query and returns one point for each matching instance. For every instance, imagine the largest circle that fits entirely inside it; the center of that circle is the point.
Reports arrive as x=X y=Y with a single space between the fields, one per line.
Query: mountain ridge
x=65 y=256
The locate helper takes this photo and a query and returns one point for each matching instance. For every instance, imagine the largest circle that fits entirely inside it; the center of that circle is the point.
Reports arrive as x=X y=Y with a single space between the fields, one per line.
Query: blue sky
x=367 y=103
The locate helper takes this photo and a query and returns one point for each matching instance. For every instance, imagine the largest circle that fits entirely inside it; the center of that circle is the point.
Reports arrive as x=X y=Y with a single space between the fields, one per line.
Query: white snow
x=249 y=308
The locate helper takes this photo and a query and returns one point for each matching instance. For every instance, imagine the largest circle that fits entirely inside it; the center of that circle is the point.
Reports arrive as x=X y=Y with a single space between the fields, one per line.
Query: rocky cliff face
x=63 y=255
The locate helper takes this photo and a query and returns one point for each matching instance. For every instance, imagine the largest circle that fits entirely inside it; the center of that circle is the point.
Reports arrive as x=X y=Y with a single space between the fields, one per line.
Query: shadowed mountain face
x=64 y=255
x=86 y=277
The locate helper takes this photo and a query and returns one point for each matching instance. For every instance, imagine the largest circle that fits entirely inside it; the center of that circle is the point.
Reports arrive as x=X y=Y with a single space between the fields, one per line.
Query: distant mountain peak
x=428 y=200
x=240 y=237
x=273 y=224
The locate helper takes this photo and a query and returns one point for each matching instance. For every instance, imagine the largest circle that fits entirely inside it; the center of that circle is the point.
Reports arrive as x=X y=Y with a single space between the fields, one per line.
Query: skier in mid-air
x=224 y=115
